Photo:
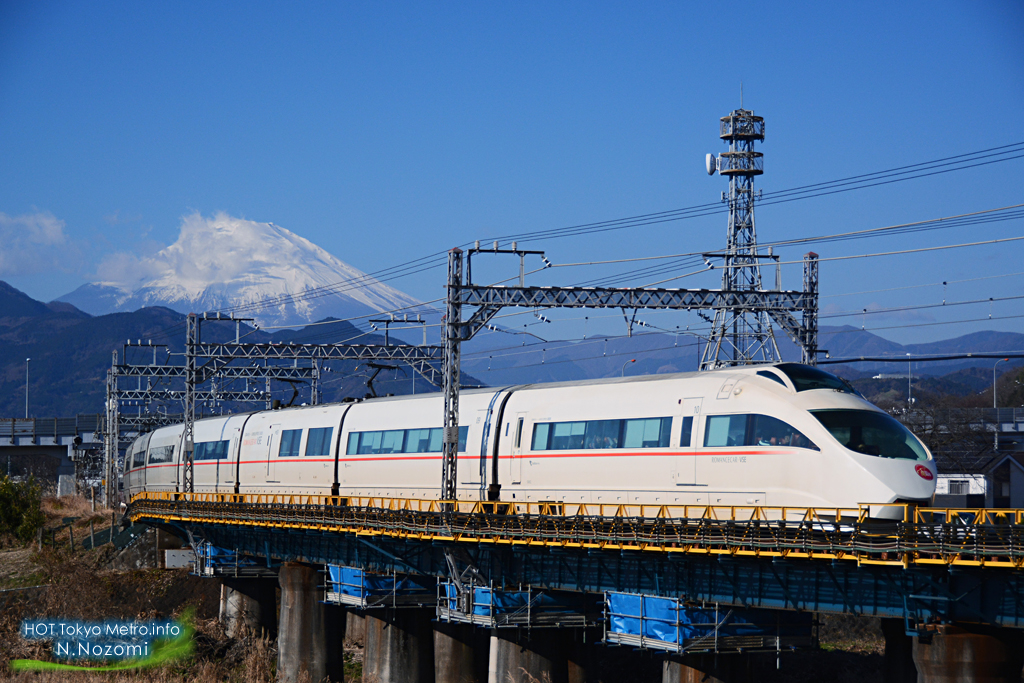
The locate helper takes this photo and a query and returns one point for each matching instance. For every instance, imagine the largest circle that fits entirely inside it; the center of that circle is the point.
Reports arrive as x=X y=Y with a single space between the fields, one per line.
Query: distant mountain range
x=505 y=358
x=260 y=270
x=71 y=352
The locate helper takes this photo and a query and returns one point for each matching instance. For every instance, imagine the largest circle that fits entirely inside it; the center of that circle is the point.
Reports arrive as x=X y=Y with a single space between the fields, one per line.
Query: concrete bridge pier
x=355 y=629
x=898 y=665
x=955 y=655
x=460 y=653
x=581 y=656
x=706 y=668
x=248 y=603
x=518 y=656
x=310 y=633
x=399 y=646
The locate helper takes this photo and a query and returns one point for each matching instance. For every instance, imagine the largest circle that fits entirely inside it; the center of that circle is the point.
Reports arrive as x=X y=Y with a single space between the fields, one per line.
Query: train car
x=766 y=435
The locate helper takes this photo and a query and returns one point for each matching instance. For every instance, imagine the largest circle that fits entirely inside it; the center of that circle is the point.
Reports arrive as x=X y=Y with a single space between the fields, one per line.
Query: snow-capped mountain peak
x=225 y=263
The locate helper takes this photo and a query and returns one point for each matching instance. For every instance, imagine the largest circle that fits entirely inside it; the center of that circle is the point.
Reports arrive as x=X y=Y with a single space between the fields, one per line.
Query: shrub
x=20 y=513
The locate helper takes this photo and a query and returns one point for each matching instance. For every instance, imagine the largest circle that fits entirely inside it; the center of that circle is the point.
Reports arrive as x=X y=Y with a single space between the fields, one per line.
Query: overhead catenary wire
x=413 y=266
x=929 y=284
x=482 y=356
x=959 y=220
x=1016 y=151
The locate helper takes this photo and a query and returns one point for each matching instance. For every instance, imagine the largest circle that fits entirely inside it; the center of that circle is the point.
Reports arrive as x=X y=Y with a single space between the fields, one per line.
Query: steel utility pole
x=450 y=383
x=188 y=438
x=111 y=438
x=995 y=406
x=740 y=336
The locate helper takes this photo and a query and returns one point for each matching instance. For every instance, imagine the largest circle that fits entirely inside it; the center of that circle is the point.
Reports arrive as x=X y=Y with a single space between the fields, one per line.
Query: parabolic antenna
x=711 y=164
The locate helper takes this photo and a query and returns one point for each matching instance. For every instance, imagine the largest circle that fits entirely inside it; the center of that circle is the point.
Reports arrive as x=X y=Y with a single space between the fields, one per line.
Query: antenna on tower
x=740 y=336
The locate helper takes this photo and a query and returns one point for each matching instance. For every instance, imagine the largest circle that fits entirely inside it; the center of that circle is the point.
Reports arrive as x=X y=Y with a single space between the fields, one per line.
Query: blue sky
x=387 y=131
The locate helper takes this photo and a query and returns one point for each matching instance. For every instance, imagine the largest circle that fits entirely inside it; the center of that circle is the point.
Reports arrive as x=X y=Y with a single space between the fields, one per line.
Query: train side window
x=161 y=454
x=540 y=436
x=211 y=450
x=771 y=431
x=419 y=441
x=138 y=458
x=319 y=441
x=725 y=430
x=392 y=441
x=686 y=436
x=567 y=435
x=519 y=432
x=603 y=434
x=649 y=433
x=397 y=441
x=752 y=430
x=653 y=432
x=290 y=439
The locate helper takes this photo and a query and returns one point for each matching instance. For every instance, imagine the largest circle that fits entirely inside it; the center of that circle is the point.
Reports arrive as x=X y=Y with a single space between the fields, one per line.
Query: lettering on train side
x=253 y=439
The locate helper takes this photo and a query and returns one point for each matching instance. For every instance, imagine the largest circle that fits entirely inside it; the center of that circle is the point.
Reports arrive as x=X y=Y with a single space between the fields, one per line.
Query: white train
x=776 y=435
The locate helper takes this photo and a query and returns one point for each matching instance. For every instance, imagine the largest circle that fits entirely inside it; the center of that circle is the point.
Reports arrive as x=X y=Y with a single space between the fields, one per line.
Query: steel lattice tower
x=740 y=335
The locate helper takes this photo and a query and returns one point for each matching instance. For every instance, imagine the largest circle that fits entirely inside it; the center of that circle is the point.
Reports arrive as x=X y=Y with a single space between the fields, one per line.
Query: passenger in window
x=762 y=440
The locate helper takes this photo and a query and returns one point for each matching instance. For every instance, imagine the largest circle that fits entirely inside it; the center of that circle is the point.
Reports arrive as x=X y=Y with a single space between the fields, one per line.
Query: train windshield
x=871 y=433
x=805 y=378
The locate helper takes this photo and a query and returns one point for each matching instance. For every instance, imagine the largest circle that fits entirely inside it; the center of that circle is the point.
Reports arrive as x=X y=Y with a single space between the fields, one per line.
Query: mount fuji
x=257 y=270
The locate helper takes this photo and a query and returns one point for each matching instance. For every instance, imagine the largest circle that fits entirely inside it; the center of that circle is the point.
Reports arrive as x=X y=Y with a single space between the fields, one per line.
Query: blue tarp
x=357 y=583
x=220 y=557
x=669 y=620
x=488 y=602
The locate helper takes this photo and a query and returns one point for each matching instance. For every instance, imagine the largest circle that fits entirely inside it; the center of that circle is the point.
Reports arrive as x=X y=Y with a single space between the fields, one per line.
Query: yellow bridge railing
x=921 y=536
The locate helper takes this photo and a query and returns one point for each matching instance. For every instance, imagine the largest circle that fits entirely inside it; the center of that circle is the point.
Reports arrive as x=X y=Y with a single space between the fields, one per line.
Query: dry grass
x=56 y=509
x=216 y=659
x=80 y=586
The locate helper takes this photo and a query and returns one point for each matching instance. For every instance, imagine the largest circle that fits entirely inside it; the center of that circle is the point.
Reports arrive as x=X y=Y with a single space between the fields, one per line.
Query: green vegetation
x=21 y=515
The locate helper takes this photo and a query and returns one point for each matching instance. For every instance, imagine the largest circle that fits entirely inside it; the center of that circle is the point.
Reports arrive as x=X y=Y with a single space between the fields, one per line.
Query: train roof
x=601 y=381
x=580 y=383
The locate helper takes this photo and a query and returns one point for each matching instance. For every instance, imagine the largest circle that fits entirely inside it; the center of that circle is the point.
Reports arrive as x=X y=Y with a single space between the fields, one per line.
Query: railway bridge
x=534 y=584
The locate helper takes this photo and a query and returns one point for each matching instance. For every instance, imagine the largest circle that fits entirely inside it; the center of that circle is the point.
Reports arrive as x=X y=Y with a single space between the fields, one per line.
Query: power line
x=436 y=260
x=922 y=359
x=778 y=197
x=930 y=284
x=898 y=309
x=961 y=220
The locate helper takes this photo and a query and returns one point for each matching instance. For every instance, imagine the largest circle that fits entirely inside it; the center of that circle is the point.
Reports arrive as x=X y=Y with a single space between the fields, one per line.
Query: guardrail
x=926 y=536
x=50 y=427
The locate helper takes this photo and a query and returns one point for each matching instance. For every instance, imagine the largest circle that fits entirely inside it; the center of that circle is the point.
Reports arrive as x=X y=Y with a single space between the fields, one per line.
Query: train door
x=516 y=461
x=226 y=466
x=686 y=462
x=273 y=434
x=142 y=457
x=137 y=455
x=473 y=472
